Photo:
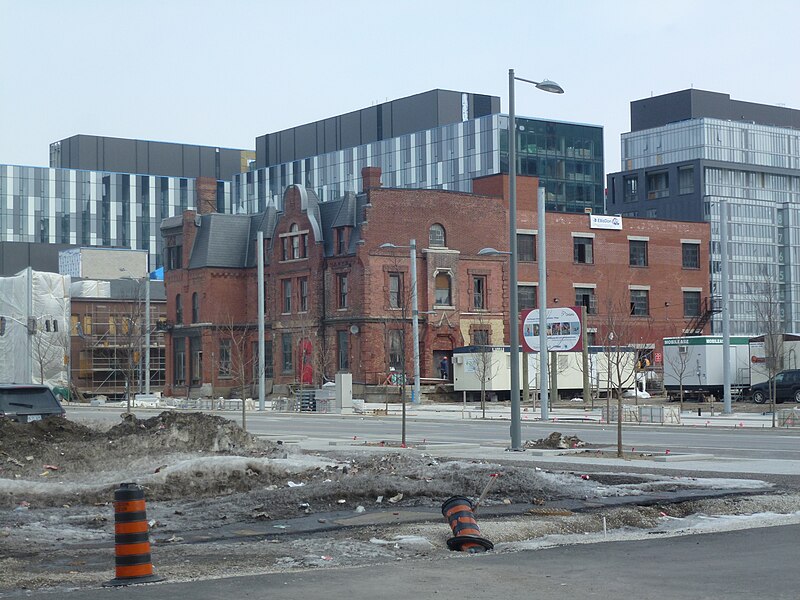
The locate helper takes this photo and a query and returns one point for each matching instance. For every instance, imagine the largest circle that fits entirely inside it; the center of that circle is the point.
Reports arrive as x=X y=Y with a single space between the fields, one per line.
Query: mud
x=222 y=502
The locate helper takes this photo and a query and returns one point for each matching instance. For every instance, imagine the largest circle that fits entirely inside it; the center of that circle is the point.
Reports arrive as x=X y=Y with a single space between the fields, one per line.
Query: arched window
x=195 y=308
x=178 y=310
x=436 y=237
x=443 y=296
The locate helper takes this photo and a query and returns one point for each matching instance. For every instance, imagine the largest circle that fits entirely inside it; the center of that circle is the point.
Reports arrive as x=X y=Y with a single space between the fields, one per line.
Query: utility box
x=344 y=393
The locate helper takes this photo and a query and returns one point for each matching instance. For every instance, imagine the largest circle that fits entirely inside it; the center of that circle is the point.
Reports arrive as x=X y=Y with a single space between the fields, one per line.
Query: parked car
x=28 y=403
x=787 y=387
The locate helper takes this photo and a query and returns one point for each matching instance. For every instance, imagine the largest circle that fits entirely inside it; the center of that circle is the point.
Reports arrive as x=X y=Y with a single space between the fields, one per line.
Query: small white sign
x=605 y=222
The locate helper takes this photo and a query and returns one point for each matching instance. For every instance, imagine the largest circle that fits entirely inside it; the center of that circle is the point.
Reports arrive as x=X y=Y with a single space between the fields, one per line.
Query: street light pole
x=415 y=398
x=412 y=246
x=516 y=430
x=516 y=433
x=147 y=334
x=544 y=383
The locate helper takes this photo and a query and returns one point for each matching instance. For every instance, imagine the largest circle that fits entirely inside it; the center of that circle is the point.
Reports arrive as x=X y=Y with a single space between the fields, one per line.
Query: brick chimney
x=371 y=177
x=206 y=188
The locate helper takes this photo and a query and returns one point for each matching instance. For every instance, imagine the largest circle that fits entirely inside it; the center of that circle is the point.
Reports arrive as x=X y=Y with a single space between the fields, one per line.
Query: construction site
x=222 y=502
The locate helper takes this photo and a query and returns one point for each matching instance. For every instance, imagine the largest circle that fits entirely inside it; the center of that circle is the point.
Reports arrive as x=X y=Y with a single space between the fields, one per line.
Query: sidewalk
x=561 y=413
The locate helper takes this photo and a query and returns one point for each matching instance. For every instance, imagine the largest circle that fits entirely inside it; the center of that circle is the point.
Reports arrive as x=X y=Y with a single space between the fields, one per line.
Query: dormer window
x=341 y=240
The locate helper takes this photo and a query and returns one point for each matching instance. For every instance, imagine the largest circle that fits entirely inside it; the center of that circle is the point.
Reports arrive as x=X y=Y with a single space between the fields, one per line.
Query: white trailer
x=493 y=363
x=697 y=362
x=787 y=345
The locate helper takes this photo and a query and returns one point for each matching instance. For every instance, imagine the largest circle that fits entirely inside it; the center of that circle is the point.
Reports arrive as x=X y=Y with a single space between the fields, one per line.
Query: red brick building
x=336 y=300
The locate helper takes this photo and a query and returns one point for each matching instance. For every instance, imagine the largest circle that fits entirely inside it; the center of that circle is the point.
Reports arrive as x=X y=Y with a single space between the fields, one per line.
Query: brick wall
x=471 y=222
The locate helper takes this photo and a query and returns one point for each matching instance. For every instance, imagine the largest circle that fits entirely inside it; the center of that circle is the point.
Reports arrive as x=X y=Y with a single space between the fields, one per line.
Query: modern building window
x=691 y=304
x=526 y=297
x=225 y=358
x=395 y=290
x=195 y=308
x=303 y=290
x=686 y=180
x=480 y=337
x=657 y=185
x=178 y=309
x=640 y=303
x=582 y=250
x=526 y=247
x=343 y=350
x=395 y=343
x=479 y=292
x=436 y=237
x=585 y=296
x=287 y=364
x=343 y=291
x=179 y=361
x=442 y=293
x=637 y=252
x=287 y=296
x=630 y=192
x=690 y=255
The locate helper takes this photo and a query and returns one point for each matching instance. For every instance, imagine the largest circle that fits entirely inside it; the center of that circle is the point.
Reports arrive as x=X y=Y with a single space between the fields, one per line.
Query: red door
x=306 y=367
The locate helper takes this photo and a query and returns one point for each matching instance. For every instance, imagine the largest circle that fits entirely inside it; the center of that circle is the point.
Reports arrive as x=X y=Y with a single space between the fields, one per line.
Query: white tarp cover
x=91 y=288
x=44 y=356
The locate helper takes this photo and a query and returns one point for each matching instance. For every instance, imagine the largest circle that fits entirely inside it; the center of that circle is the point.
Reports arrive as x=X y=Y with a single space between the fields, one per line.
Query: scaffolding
x=108 y=346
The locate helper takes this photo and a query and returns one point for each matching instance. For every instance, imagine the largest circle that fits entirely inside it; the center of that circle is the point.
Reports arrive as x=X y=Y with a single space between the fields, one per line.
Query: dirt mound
x=556 y=441
x=195 y=432
x=50 y=430
x=60 y=448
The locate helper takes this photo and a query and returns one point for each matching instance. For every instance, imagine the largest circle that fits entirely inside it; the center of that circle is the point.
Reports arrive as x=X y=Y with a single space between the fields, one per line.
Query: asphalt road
x=748 y=564
x=773 y=444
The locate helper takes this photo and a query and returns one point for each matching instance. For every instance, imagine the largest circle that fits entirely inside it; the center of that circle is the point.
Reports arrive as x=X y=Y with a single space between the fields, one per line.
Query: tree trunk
x=619 y=423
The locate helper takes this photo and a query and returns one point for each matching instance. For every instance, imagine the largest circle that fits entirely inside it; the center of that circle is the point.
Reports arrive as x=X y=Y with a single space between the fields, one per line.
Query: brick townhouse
x=335 y=299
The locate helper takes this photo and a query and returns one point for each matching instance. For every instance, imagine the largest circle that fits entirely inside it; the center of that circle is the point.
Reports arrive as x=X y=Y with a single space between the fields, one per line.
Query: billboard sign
x=563 y=329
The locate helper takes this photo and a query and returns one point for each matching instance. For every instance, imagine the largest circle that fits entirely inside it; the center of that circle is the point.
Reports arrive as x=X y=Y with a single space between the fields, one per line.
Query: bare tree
x=619 y=324
x=677 y=364
x=234 y=360
x=484 y=362
x=50 y=350
x=770 y=319
x=399 y=297
x=128 y=328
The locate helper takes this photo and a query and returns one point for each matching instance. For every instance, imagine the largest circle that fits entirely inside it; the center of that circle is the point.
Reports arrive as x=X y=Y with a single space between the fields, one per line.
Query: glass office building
x=92 y=208
x=683 y=170
x=567 y=157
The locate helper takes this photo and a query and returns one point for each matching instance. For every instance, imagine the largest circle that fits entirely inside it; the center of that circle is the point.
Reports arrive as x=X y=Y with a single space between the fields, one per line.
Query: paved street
x=721 y=445
x=754 y=563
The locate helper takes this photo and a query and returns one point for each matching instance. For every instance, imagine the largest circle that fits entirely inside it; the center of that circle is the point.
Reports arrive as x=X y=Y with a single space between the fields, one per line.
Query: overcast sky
x=220 y=73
